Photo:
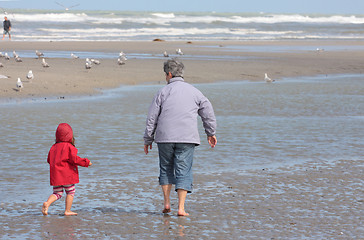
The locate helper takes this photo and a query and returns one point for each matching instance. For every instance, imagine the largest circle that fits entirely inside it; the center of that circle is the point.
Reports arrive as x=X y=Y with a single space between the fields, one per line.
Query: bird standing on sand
x=44 y=63
x=18 y=59
x=179 y=51
x=165 y=54
x=74 y=56
x=122 y=60
x=95 y=61
x=19 y=85
x=1 y=65
x=268 y=79
x=39 y=54
x=122 y=54
x=15 y=55
x=1 y=54
x=7 y=56
x=88 y=63
x=30 y=75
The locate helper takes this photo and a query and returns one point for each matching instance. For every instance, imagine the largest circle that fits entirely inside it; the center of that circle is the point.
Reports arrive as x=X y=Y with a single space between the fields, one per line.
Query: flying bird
x=268 y=79
x=30 y=75
x=67 y=8
x=39 y=54
x=44 y=63
x=19 y=85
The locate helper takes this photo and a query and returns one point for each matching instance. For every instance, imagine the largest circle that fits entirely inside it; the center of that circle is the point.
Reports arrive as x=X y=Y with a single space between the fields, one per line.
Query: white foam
x=164 y=15
x=169 y=18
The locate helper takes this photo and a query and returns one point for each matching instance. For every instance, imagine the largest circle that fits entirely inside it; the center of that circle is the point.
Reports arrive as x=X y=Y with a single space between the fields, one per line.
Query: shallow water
x=260 y=126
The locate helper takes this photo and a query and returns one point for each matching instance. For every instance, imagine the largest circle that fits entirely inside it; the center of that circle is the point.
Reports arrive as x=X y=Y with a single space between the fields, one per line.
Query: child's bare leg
x=52 y=198
x=69 y=201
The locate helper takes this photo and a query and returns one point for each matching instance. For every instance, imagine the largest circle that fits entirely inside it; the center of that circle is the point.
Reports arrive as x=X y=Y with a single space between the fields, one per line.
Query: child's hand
x=90 y=164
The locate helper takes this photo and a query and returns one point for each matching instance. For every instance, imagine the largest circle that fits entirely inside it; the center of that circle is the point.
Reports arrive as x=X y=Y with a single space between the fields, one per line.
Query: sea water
x=51 y=25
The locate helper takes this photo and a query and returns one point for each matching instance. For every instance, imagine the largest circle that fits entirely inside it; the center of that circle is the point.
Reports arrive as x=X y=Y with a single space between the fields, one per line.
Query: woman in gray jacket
x=172 y=124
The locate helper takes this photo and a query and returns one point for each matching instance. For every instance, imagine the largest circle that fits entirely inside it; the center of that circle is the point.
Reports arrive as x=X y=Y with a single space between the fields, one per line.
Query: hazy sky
x=272 y=6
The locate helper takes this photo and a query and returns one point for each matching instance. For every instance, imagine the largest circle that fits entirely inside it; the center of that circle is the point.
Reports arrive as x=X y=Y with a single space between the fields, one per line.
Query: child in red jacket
x=63 y=162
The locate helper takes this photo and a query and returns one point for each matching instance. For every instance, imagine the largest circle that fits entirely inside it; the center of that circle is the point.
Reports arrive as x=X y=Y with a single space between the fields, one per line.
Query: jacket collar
x=176 y=79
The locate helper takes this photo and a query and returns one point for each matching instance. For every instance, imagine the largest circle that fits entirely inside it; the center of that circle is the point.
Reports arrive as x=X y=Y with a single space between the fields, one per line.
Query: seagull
x=67 y=8
x=1 y=54
x=165 y=54
x=30 y=75
x=97 y=62
x=19 y=85
x=18 y=59
x=44 y=63
x=74 y=56
x=122 y=60
x=179 y=51
x=15 y=55
x=39 y=54
x=7 y=56
x=88 y=63
x=1 y=65
x=268 y=79
x=122 y=54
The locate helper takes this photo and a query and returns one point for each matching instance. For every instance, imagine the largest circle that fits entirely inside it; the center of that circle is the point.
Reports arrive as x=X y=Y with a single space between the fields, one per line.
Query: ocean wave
x=108 y=26
x=170 y=18
x=164 y=31
x=51 y=17
x=164 y=15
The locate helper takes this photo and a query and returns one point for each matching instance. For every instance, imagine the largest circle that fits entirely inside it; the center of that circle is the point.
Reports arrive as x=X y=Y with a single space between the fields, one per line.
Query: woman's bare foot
x=70 y=213
x=45 y=208
x=182 y=213
x=166 y=210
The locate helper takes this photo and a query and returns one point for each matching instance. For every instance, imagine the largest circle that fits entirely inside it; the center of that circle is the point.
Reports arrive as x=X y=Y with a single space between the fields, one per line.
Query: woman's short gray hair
x=174 y=67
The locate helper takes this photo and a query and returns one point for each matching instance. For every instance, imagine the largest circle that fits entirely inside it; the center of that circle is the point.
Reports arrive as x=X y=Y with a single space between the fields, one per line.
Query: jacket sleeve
x=76 y=160
x=152 y=120
x=48 y=158
x=206 y=112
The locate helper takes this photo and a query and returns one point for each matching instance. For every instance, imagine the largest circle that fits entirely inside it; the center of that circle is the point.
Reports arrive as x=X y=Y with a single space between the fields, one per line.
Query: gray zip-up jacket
x=172 y=116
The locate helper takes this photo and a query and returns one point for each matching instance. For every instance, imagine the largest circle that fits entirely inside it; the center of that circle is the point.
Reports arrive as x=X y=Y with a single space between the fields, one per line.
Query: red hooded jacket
x=63 y=159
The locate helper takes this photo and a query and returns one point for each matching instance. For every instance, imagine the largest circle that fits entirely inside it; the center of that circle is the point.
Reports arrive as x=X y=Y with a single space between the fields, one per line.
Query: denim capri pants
x=175 y=164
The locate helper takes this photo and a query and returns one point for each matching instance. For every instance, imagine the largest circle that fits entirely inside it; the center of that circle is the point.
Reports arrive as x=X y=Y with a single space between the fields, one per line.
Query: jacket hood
x=64 y=133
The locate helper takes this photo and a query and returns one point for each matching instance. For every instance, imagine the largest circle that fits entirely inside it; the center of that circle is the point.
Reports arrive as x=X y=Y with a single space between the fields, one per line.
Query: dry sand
x=67 y=76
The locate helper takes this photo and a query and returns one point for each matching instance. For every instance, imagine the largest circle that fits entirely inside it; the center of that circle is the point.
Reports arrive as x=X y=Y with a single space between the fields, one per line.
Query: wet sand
x=311 y=201
x=315 y=201
x=66 y=76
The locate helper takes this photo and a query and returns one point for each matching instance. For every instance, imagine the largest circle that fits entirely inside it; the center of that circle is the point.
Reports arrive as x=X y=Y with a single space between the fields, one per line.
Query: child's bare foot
x=45 y=208
x=70 y=213
x=182 y=213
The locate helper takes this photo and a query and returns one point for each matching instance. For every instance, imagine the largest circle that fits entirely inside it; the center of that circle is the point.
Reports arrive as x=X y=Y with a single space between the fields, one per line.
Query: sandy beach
x=286 y=166
x=68 y=77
